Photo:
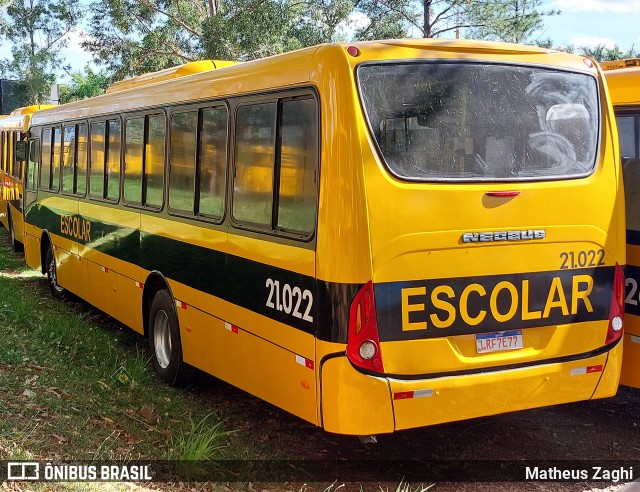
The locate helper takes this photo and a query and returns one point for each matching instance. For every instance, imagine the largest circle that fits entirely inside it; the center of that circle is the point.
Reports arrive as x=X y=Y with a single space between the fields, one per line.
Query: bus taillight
x=363 y=345
x=616 y=312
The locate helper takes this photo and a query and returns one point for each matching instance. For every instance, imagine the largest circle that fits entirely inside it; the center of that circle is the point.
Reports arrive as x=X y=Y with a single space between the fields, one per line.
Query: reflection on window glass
x=299 y=160
x=55 y=159
x=68 y=158
x=32 y=165
x=154 y=161
x=81 y=164
x=45 y=169
x=254 y=161
x=182 y=160
x=469 y=121
x=96 y=173
x=213 y=162
x=629 y=145
x=133 y=144
x=113 y=161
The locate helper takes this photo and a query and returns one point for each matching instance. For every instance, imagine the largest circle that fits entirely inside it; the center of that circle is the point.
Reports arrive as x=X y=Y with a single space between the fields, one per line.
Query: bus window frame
x=633 y=111
x=182 y=109
x=205 y=217
x=363 y=114
x=276 y=97
x=145 y=115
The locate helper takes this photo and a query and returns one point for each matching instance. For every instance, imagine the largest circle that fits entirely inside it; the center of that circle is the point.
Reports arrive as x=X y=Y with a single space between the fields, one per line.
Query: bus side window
x=213 y=162
x=112 y=169
x=32 y=165
x=81 y=162
x=154 y=161
x=133 y=144
x=45 y=169
x=182 y=162
x=96 y=169
x=68 y=158
x=298 y=165
x=254 y=163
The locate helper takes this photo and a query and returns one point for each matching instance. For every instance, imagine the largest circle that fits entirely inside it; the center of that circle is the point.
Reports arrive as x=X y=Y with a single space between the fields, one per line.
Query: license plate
x=501 y=340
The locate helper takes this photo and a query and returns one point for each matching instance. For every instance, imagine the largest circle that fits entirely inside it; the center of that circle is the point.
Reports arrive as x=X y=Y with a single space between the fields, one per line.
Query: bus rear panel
x=496 y=241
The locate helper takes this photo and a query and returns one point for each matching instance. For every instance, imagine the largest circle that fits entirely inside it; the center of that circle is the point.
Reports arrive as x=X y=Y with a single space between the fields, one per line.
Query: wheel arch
x=154 y=283
x=45 y=244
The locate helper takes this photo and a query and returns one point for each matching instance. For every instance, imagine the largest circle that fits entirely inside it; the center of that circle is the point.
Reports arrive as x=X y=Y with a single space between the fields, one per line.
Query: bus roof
x=296 y=68
x=168 y=74
x=623 y=79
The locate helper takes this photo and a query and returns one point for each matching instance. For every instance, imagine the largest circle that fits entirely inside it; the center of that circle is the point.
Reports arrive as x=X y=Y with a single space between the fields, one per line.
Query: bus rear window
x=469 y=121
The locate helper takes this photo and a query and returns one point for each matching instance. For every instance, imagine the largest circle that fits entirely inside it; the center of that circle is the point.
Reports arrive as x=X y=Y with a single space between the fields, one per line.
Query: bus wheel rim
x=53 y=276
x=162 y=339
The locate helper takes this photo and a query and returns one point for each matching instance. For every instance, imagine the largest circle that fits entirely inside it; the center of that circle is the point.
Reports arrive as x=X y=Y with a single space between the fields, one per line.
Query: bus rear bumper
x=359 y=404
x=434 y=401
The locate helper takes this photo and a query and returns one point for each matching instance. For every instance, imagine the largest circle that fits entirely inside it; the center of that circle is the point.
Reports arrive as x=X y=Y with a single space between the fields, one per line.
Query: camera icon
x=23 y=470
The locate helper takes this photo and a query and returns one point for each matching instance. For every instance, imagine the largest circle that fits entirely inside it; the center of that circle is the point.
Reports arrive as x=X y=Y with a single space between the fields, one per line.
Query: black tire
x=164 y=340
x=50 y=264
x=16 y=246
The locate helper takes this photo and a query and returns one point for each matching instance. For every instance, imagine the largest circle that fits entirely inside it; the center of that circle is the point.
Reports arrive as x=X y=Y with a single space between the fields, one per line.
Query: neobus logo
x=486 y=237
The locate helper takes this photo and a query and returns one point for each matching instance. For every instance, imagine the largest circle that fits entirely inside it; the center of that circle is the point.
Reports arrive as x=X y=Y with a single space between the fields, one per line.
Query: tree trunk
x=426 y=25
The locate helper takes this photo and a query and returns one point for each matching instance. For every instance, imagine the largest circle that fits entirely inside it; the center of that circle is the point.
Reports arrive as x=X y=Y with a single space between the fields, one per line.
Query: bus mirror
x=21 y=151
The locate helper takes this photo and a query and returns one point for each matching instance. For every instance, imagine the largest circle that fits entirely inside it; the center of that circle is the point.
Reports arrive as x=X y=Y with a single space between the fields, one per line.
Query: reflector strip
x=181 y=304
x=403 y=395
x=586 y=370
x=635 y=339
x=231 y=328
x=304 y=362
x=105 y=269
x=140 y=285
x=407 y=395
x=422 y=393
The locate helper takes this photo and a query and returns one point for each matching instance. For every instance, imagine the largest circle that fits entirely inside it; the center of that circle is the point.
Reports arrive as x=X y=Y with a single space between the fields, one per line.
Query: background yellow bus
x=12 y=129
x=623 y=79
x=373 y=237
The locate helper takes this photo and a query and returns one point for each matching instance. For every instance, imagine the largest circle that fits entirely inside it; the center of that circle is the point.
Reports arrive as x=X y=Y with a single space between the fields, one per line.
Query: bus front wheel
x=164 y=339
x=52 y=276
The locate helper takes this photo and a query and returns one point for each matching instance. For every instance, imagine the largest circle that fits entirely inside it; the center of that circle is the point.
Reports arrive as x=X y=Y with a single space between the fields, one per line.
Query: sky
x=581 y=23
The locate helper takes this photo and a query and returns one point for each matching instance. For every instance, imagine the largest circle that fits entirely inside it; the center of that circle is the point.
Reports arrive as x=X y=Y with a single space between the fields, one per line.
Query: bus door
x=29 y=198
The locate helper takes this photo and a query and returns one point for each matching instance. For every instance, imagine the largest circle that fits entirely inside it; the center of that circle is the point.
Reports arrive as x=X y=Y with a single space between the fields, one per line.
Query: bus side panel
x=251 y=363
x=17 y=220
x=32 y=246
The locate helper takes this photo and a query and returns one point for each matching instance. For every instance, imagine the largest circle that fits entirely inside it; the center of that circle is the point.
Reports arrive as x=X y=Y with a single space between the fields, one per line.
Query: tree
x=89 y=84
x=601 y=53
x=513 y=21
x=37 y=30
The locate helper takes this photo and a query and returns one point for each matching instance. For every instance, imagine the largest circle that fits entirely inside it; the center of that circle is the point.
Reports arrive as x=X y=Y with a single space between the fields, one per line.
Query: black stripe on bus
x=327 y=317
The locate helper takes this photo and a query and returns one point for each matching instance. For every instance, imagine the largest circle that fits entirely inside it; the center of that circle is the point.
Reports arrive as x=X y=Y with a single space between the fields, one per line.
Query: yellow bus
x=12 y=128
x=623 y=80
x=374 y=236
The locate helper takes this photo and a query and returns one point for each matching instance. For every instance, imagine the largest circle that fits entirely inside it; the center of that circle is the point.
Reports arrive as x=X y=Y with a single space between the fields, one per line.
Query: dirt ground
x=569 y=435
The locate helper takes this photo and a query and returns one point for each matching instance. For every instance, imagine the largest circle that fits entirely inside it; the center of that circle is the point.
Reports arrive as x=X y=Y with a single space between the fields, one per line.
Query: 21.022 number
x=290 y=300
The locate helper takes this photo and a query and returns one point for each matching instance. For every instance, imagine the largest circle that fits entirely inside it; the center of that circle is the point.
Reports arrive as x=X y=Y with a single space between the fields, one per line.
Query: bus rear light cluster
x=616 y=311
x=363 y=344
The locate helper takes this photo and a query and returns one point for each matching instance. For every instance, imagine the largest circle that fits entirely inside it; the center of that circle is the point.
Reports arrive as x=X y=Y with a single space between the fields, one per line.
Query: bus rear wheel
x=164 y=340
x=52 y=276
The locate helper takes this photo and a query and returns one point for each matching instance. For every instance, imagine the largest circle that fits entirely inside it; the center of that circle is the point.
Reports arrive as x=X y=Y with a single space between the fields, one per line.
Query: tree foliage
x=136 y=36
x=84 y=85
x=512 y=21
x=37 y=29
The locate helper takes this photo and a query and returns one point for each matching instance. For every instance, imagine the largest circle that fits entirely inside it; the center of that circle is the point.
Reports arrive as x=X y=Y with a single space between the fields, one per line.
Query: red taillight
x=363 y=345
x=616 y=312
